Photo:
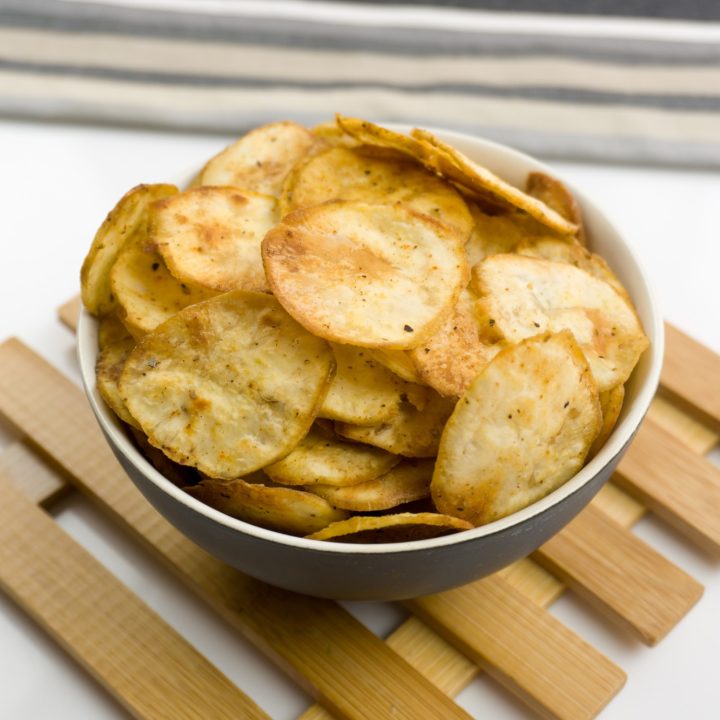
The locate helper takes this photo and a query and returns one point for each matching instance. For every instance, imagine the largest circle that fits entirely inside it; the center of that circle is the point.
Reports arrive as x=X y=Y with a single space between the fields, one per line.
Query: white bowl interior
x=512 y=166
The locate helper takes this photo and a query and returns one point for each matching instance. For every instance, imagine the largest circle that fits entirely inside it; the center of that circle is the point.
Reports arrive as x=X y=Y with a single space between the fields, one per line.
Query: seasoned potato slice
x=284 y=509
x=179 y=475
x=366 y=275
x=260 y=161
x=406 y=482
x=399 y=362
x=343 y=174
x=145 y=291
x=123 y=221
x=412 y=432
x=367 y=133
x=455 y=166
x=455 y=354
x=210 y=237
x=400 y=527
x=555 y=195
x=365 y=392
x=611 y=402
x=524 y=296
x=228 y=385
x=115 y=345
x=325 y=460
x=522 y=429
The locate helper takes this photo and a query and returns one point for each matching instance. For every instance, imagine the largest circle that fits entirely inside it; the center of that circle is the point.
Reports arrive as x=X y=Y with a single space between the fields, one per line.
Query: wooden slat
x=346 y=667
x=150 y=669
x=562 y=675
x=681 y=487
x=690 y=431
x=620 y=575
x=31 y=475
x=691 y=375
x=69 y=311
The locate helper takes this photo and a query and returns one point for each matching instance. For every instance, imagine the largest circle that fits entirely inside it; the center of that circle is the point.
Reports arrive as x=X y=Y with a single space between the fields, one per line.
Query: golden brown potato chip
x=284 y=509
x=406 y=482
x=259 y=161
x=179 y=475
x=228 y=385
x=369 y=134
x=400 y=527
x=115 y=344
x=210 y=237
x=412 y=432
x=145 y=291
x=399 y=362
x=123 y=221
x=364 y=391
x=367 y=275
x=522 y=429
x=555 y=195
x=344 y=174
x=455 y=166
x=455 y=354
x=319 y=459
x=524 y=296
x=611 y=402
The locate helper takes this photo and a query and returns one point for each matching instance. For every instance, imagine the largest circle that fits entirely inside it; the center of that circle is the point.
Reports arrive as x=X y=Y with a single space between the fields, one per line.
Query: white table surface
x=56 y=185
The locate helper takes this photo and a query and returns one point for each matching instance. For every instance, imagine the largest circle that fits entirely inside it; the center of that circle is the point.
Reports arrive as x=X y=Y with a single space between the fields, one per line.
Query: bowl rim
x=619 y=438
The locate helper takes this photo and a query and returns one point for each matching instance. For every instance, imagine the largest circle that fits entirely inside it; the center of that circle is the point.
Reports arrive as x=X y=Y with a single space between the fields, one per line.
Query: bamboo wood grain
x=691 y=375
x=150 y=669
x=680 y=486
x=31 y=475
x=346 y=667
x=620 y=575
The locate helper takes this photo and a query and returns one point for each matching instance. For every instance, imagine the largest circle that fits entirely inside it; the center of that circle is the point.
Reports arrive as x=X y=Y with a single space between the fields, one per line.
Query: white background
x=56 y=185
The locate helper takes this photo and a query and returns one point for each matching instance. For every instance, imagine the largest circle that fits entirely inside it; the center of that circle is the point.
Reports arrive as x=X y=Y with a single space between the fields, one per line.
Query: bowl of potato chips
x=366 y=362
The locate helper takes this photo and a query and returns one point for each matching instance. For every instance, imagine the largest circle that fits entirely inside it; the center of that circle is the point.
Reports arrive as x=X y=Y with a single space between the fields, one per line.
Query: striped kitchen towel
x=574 y=86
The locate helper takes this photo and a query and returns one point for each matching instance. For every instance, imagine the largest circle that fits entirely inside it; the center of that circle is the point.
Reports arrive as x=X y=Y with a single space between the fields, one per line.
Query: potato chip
x=365 y=392
x=145 y=291
x=522 y=429
x=455 y=354
x=524 y=296
x=123 y=221
x=115 y=344
x=455 y=166
x=555 y=195
x=320 y=459
x=412 y=432
x=228 y=385
x=369 y=134
x=179 y=475
x=366 y=275
x=401 y=527
x=399 y=362
x=406 y=482
x=276 y=508
x=211 y=236
x=259 y=161
x=344 y=174
x=611 y=402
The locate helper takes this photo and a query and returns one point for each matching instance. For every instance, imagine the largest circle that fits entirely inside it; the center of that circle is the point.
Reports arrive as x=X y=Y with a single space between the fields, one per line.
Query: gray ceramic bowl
x=401 y=570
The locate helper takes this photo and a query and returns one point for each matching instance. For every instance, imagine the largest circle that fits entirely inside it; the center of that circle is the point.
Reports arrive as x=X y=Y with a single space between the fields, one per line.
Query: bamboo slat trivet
x=450 y=671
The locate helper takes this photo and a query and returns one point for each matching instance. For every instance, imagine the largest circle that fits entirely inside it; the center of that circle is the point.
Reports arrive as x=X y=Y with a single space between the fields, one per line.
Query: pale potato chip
x=399 y=362
x=522 y=429
x=524 y=296
x=115 y=344
x=145 y=291
x=344 y=174
x=406 y=482
x=276 y=508
x=400 y=527
x=367 y=275
x=259 y=161
x=611 y=402
x=228 y=385
x=210 y=237
x=555 y=195
x=412 y=432
x=450 y=359
x=324 y=460
x=454 y=165
x=365 y=392
x=574 y=253
x=123 y=221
